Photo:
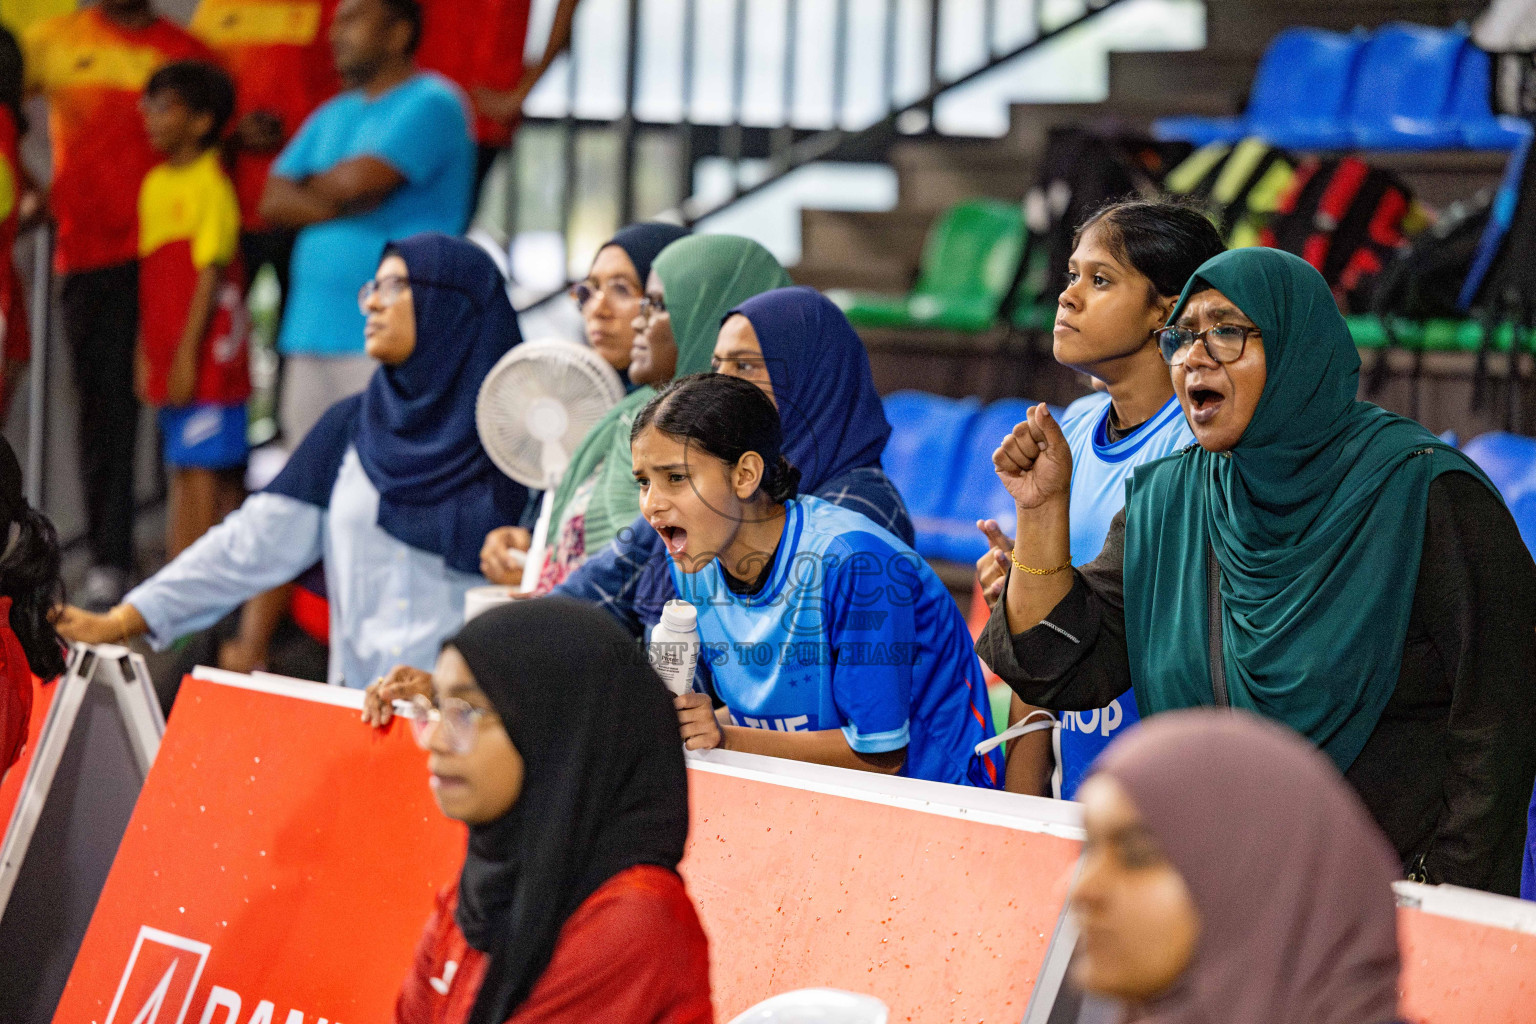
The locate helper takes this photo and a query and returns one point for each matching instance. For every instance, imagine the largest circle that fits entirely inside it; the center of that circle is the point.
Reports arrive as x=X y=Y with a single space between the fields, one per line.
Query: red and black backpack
x=1345 y=218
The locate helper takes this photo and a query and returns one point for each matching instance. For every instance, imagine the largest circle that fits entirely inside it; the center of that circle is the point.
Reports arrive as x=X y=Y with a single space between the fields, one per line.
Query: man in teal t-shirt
x=390 y=157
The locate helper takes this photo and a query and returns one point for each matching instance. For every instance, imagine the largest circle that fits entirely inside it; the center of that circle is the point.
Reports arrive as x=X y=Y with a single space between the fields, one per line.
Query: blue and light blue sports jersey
x=1099 y=474
x=852 y=631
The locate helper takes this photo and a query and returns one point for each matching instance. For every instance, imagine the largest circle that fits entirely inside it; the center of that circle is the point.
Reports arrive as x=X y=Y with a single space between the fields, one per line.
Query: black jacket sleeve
x=1477 y=597
x=1075 y=659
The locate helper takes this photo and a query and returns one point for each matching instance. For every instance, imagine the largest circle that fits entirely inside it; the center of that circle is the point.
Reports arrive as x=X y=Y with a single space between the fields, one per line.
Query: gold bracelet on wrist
x=1039 y=572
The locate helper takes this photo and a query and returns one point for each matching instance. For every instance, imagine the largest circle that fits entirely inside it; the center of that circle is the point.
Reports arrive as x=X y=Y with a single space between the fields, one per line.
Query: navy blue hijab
x=414 y=426
x=642 y=243
x=834 y=421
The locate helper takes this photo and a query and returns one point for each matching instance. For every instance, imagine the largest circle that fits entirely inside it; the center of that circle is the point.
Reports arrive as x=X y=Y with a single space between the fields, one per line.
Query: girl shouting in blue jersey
x=828 y=639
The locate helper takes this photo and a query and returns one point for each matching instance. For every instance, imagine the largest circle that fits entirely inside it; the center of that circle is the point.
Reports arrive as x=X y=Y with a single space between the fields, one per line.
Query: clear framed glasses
x=388 y=289
x=1223 y=342
x=651 y=308
x=458 y=719
x=615 y=288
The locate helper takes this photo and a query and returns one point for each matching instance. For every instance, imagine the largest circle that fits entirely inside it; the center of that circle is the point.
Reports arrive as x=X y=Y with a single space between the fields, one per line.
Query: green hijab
x=1316 y=518
x=705 y=277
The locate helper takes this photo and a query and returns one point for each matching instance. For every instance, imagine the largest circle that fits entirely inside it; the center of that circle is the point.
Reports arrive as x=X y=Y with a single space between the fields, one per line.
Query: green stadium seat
x=1430 y=335
x=970 y=260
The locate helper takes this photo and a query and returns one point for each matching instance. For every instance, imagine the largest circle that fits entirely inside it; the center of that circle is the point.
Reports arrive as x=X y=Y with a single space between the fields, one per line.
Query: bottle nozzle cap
x=679 y=615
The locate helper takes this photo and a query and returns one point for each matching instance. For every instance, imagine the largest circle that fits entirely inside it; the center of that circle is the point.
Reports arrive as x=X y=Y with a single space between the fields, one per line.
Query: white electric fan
x=535 y=406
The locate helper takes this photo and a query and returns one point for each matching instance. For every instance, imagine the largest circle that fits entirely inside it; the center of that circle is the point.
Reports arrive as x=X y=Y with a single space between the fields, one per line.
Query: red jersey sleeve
x=15 y=691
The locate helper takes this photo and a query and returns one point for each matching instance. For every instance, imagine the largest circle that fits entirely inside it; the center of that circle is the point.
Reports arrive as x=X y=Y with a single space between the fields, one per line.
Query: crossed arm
x=351 y=187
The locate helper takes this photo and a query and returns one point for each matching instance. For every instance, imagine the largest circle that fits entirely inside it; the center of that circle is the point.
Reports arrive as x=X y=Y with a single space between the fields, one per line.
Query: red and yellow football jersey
x=278 y=53
x=189 y=220
x=18 y=336
x=93 y=71
x=476 y=43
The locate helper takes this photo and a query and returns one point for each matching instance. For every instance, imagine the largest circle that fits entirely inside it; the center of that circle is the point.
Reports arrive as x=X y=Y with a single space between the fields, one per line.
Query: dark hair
x=29 y=576
x=29 y=571
x=12 y=89
x=408 y=11
x=202 y=87
x=727 y=417
x=1165 y=240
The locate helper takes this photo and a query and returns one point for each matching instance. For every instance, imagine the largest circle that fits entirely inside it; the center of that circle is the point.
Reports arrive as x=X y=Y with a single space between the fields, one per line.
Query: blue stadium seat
x=1510 y=462
x=976 y=494
x=1407 y=81
x=925 y=453
x=1508 y=459
x=1299 y=96
x=1480 y=128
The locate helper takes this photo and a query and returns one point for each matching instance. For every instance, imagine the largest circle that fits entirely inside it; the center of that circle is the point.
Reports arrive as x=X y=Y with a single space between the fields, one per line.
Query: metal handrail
x=37 y=372
x=790 y=148
x=834 y=143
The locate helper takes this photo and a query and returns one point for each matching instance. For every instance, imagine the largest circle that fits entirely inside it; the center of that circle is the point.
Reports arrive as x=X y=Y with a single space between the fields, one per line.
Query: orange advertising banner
x=278 y=868
x=283 y=858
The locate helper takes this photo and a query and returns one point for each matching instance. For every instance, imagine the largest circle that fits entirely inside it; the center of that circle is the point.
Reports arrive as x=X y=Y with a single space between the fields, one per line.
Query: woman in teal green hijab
x=694 y=283
x=1315 y=559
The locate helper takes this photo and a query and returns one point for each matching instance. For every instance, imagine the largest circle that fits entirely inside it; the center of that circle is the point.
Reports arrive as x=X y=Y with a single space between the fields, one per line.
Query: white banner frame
x=110 y=665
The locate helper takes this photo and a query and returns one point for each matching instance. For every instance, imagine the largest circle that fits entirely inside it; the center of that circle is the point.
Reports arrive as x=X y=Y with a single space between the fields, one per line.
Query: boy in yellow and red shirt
x=192 y=359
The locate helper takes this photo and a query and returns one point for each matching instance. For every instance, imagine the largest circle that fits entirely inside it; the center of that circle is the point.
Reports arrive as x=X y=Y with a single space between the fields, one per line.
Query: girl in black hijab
x=569 y=907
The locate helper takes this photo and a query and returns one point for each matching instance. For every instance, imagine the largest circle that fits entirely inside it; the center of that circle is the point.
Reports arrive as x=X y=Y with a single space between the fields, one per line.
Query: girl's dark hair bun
x=781 y=481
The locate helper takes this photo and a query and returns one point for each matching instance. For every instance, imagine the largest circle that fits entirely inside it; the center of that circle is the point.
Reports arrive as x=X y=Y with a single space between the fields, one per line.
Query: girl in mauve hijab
x=1231 y=875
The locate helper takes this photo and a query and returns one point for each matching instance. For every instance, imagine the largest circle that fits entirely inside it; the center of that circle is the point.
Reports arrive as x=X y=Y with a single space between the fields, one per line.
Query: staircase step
x=860 y=275
x=1248 y=27
x=1029 y=122
x=1206 y=76
x=856 y=249
x=934 y=176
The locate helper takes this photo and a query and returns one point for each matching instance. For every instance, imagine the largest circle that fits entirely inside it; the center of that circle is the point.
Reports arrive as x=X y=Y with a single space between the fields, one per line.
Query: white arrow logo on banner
x=151 y=1010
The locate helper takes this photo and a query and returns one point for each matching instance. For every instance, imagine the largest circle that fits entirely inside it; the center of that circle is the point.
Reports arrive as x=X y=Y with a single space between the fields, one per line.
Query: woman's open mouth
x=1205 y=404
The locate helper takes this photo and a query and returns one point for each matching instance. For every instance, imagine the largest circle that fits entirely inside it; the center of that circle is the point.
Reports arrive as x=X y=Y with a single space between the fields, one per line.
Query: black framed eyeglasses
x=1223 y=342
x=650 y=307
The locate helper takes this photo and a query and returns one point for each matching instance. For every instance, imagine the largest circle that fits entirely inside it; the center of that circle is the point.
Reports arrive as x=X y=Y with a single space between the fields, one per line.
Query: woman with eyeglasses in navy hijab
x=391 y=489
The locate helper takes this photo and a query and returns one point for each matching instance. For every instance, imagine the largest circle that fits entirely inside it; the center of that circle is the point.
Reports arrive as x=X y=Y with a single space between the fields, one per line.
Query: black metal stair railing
x=784 y=146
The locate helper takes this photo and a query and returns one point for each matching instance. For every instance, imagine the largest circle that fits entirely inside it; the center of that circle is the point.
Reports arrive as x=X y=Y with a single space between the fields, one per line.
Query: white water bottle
x=674 y=648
